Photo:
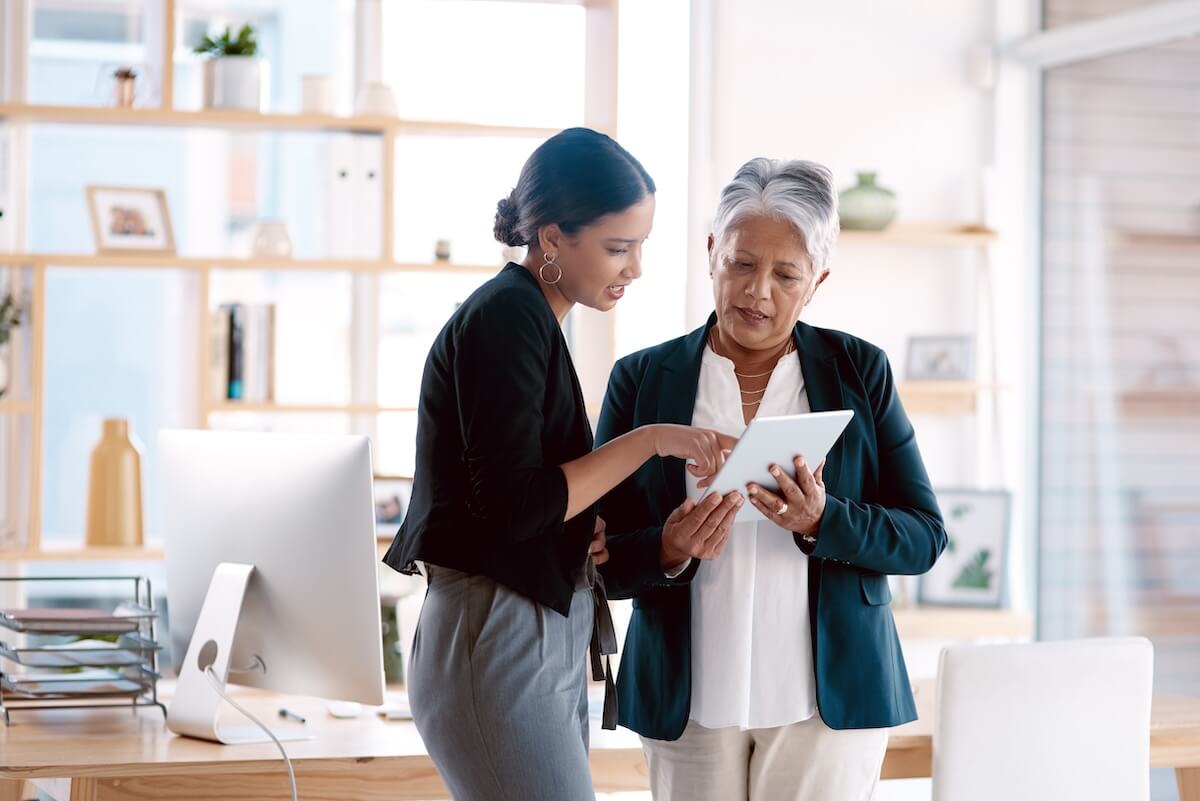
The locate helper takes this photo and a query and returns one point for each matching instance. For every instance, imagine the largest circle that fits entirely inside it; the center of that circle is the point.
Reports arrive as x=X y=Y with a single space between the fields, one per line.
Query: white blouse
x=752 y=663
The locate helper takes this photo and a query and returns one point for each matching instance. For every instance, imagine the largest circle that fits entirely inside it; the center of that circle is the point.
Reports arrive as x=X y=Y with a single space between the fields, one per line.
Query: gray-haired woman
x=765 y=664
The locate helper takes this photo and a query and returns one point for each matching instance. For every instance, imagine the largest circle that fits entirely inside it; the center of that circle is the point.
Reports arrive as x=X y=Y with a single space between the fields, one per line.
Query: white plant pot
x=237 y=82
x=4 y=373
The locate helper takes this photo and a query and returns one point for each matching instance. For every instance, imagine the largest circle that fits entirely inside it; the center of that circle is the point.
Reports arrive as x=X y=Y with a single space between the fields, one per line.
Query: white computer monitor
x=271 y=570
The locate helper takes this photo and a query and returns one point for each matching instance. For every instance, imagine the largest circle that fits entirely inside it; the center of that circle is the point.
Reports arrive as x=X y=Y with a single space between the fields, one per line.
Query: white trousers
x=806 y=761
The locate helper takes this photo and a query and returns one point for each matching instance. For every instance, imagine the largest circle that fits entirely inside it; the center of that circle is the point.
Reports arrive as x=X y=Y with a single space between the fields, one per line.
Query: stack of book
x=243 y=352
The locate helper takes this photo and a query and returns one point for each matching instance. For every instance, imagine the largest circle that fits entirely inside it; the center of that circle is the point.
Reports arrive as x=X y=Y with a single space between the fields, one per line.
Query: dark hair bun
x=573 y=179
x=505 y=228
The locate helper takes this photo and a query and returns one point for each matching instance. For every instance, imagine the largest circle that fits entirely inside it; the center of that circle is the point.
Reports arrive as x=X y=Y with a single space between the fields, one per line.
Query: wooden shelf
x=143 y=261
x=941 y=397
x=1156 y=239
x=943 y=623
x=252 y=120
x=1181 y=402
x=146 y=554
x=16 y=406
x=305 y=408
x=927 y=234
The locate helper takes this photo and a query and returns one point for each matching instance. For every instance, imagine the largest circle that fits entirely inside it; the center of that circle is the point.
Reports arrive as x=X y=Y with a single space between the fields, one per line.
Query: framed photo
x=129 y=220
x=392 y=495
x=971 y=571
x=941 y=358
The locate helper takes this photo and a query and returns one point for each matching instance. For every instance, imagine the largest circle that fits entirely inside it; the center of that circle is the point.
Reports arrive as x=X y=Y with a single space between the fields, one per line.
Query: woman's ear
x=550 y=238
x=820 y=280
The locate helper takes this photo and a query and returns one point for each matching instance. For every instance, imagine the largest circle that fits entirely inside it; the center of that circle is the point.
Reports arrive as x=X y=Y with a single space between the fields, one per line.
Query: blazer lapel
x=818 y=363
x=677 y=388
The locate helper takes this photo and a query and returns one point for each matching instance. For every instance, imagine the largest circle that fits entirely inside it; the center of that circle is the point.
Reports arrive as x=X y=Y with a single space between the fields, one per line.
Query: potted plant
x=234 y=76
x=10 y=318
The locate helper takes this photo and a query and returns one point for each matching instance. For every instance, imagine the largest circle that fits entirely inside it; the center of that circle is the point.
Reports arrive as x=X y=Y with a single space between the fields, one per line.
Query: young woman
x=503 y=507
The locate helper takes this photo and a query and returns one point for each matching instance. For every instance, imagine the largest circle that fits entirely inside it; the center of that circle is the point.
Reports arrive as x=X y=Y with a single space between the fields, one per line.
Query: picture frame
x=129 y=220
x=392 y=496
x=972 y=571
x=946 y=357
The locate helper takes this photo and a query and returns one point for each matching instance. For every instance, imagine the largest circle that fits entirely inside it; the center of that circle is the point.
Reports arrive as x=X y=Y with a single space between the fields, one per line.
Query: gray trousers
x=498 y=688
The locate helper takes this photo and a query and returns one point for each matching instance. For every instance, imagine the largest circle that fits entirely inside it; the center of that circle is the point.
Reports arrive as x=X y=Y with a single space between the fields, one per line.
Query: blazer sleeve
x=899 y=531
x=500 y=372
x=634 y=540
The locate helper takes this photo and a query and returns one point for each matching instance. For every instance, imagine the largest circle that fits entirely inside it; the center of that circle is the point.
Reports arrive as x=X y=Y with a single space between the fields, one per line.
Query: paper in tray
x=128 y=651
x=85 y=683
x=125 y=618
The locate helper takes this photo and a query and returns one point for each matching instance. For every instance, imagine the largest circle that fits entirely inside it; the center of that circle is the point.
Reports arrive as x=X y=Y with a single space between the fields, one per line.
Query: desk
x=117 y=755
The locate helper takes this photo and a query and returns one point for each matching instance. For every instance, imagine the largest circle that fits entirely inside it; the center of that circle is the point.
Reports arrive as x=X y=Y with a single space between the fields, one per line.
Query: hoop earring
x=542 y=270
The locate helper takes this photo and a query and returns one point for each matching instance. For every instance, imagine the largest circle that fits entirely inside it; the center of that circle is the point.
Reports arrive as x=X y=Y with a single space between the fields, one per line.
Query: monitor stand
x=192 y=711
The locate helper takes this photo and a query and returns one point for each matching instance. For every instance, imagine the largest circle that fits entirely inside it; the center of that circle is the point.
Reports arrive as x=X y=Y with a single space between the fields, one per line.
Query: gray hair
x=798 y=192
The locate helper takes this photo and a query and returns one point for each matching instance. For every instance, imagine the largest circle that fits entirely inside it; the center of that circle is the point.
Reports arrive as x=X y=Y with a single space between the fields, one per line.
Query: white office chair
x=1051 y=721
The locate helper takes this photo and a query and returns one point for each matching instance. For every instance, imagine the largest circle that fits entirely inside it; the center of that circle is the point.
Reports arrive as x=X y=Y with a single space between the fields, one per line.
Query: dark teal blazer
x=880 y=518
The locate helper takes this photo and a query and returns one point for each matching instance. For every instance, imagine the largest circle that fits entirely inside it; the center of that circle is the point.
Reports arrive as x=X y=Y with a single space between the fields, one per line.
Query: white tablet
x=775 y=440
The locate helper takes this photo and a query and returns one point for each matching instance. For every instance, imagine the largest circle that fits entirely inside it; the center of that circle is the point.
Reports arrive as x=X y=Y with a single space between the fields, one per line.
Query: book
x=218 y=353
x=237 y=328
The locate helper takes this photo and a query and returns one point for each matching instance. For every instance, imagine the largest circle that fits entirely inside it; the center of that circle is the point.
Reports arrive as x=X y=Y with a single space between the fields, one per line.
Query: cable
x=218 y=686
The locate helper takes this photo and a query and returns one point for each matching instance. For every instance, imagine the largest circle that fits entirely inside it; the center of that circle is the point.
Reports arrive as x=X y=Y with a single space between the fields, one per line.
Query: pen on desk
x=290 y=715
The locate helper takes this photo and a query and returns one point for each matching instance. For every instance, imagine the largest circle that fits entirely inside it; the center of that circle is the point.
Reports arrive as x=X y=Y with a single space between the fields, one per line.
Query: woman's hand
x=598 y=547
x=698 y=530
x=802 y=502
x=706 y=448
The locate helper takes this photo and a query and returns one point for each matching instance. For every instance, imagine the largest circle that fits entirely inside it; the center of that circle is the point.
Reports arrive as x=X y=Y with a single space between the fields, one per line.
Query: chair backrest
x=1047 y=721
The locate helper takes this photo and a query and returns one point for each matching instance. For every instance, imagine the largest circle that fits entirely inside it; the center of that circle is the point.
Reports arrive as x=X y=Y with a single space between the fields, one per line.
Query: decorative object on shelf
x=124 y=86
x=389 y=505
x=441 y=251
x=1171 y=367
x=242 y=353
x=271 y=240
x=375 y=98
x=115 y=489
x=317 y=94
x=941 y=358
x=11 y=311
x=512 y=253
x=866 y=206
x=393 y=656
x=234 y=76
x=971 y=571
x=130 y=220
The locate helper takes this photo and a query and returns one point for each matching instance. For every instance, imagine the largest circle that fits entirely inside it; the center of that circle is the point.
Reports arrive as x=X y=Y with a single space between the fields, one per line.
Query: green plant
x=10 y=316
x=244 y=44
x=975 y=574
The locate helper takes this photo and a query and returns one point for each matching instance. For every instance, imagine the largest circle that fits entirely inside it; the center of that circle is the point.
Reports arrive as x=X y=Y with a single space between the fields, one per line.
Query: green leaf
x=975 y=575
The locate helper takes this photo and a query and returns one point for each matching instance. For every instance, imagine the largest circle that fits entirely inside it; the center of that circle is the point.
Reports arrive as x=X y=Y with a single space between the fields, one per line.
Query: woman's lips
x=752 y=317
x=616 y=291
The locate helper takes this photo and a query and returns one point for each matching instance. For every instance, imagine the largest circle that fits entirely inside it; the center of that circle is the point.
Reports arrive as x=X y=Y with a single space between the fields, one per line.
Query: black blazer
x=500 y=410
x=880 y=517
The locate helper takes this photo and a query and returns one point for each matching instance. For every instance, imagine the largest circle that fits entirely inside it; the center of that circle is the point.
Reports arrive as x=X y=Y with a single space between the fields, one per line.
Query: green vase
x=866 y=206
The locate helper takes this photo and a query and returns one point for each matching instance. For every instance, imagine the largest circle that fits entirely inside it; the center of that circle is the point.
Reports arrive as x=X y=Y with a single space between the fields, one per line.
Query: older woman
x=765 y=664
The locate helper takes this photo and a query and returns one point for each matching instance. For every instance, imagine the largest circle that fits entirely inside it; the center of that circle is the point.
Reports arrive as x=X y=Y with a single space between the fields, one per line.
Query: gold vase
x=115 y=489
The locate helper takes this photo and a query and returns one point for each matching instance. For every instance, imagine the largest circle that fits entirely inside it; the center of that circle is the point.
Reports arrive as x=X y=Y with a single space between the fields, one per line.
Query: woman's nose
x=633 y=270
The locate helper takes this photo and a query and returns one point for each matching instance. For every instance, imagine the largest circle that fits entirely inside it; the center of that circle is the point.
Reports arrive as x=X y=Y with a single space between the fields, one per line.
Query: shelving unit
x=1183 y=402
x=600 y=113
x=251 y=120
x=943 y=397
x=923 y=234
x=142 y=261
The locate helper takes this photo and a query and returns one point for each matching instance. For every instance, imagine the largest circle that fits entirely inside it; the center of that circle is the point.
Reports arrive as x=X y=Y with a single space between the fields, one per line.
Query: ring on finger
x=782 y=510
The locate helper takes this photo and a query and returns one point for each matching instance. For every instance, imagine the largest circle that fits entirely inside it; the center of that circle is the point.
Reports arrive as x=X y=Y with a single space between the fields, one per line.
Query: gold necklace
x=791 y=346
